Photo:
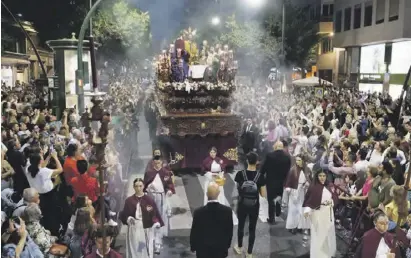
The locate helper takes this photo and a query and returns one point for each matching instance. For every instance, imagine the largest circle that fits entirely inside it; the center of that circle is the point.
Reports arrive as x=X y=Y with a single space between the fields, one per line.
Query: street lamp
x=215 y=21
x=255 y=3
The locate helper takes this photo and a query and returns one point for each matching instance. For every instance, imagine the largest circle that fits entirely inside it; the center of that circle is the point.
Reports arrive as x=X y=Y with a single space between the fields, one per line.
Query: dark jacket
x=212 y=230
x=276 y=166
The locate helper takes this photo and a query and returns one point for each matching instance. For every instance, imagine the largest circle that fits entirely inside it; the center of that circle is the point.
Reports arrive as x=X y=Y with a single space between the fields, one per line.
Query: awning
x=14 y=61
x=311 y=81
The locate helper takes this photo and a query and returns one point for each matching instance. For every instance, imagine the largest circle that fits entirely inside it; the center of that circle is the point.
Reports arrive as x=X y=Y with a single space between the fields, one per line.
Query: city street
x=271 y=241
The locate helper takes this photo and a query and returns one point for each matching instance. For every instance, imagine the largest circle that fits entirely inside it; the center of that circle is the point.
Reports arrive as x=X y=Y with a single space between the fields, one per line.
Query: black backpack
x=249 y=191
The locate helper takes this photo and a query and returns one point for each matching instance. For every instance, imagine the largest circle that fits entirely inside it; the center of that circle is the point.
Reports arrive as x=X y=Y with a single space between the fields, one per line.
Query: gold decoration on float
x=179 y=157
x=231 y=154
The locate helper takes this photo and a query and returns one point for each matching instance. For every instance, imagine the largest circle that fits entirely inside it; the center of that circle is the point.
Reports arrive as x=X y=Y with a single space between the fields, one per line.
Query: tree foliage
x=301 y=37
x=252 y=41
x=123 y=31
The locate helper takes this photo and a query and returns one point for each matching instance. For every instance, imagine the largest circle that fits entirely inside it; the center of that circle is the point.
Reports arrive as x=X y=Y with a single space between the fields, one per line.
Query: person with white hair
x=41 y=236
x=30 y=195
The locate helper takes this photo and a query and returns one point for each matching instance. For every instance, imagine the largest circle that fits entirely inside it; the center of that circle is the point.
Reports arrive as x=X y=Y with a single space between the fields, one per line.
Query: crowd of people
x=51 y=196
x=330 y=162
x=334 y=162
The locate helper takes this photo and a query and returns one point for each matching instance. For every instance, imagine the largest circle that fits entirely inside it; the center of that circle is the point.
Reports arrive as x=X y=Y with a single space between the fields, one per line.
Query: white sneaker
x=247 y=255
x=112 y=223
x=238 y=250
x=112 y=213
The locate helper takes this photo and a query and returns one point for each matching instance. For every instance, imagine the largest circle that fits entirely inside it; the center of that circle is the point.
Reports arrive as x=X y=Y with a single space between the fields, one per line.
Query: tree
x=123 y=31
x=252 y=43
x=301 y=36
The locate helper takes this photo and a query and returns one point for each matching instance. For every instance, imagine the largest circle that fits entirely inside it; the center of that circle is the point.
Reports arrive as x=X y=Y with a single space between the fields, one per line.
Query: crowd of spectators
x=50 y=188
x=351 y=135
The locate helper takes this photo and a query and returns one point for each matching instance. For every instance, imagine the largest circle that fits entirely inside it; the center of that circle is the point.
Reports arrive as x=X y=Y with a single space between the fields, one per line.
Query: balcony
x=325 y=27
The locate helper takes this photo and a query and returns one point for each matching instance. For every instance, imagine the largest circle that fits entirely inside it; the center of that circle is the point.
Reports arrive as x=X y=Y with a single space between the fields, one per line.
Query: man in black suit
x=249 y=137
x=212 y=228
x=276 y=166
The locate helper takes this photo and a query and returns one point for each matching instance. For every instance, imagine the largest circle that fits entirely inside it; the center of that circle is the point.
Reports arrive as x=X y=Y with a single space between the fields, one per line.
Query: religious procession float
x=192 y=93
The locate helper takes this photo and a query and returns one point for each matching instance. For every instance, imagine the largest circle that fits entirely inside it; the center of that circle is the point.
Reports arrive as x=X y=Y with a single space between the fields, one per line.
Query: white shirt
x=302 y=142
x=376 y=158
x=335 y=135
x=361 y=165
x=42 y=181
x=157 y=185
x=383 y=249
x=215 y=167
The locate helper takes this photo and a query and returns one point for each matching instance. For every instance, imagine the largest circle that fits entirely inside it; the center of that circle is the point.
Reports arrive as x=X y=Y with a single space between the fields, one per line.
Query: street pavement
x=271 y=240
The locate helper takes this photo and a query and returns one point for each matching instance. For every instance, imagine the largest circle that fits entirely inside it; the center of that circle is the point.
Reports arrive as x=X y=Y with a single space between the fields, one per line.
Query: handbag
x=59 y=250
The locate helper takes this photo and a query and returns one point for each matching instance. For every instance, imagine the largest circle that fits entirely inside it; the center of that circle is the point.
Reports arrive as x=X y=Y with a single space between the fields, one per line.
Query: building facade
x=373 y=39
x=19 y=62
x=325 y=54
x=323 y=12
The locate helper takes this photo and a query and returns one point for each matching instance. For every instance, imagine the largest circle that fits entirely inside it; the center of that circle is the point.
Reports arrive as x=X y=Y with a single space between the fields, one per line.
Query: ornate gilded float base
x=231 y=154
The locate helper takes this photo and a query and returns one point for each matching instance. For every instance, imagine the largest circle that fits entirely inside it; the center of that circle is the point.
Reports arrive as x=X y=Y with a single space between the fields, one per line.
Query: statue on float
x=183 y=62
x=190 y=46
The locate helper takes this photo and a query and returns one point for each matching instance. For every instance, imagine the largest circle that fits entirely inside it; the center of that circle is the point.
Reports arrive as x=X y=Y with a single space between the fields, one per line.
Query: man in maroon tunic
x=158 y=183
x=109 y=253
x=149 y=210
x=377 y=242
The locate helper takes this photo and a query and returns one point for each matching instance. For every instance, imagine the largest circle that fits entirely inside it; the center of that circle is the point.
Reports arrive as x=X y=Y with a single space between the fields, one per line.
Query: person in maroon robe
x=294 y=174
x=158 y=183
x=98 y=239
x=213 y=169
x=157 y=168
x=318 y=205
x=296 y=185
x=142 y=216
x=156 y=156
x=150 y=215
x=207 y=162
x=377 y=242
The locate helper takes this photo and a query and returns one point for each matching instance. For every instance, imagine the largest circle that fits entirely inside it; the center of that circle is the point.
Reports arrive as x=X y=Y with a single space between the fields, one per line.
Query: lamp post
x=97 y=114
x=79 y=72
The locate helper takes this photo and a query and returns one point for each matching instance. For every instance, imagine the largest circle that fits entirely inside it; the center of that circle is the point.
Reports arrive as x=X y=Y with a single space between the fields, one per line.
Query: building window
x=380 y=13
x=368 y=14
x=326 y=9
x=357 y=16
x=327 y=12
x=326 y=45
x=347 y=18
x=394 y=10
x=318 y=11
x=338 y=21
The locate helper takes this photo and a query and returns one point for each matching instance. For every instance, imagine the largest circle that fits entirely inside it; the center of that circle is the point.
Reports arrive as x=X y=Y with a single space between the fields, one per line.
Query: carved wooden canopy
x=202 y=124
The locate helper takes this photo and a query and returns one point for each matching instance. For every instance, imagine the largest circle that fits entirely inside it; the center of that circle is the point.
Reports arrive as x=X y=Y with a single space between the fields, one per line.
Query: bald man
x=275 y=167
x=212 y=228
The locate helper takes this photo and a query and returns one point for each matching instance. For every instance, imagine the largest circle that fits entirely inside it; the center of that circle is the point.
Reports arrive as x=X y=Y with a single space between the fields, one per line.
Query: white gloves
x=156 y=225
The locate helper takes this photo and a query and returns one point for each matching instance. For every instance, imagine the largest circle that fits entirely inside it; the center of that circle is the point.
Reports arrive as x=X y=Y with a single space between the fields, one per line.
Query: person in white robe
x=213 y=167
x=159 y=185
x=296 y=186
x=318 y=205
x=141 y=215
